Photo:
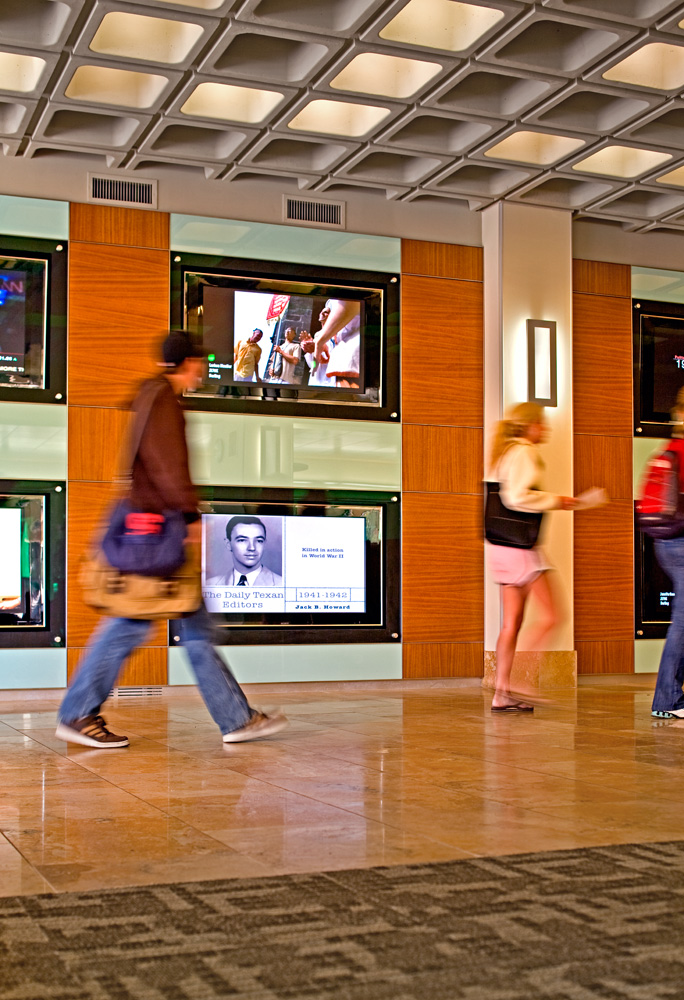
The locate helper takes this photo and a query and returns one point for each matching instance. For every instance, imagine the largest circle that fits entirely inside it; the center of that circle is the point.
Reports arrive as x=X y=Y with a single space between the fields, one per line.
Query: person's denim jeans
x=668 y=690
x=113 y=642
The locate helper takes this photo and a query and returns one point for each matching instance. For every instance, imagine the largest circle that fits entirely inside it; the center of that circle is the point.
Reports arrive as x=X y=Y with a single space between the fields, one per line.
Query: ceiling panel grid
x=571 y=104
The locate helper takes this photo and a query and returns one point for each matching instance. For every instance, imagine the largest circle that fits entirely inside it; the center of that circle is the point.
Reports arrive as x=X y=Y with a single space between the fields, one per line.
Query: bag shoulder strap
x=136 y=429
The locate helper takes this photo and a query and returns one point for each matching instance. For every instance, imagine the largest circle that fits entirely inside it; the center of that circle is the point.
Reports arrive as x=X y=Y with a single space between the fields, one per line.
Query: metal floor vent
x=138 y=692
x=111 y=191
x=307 y=212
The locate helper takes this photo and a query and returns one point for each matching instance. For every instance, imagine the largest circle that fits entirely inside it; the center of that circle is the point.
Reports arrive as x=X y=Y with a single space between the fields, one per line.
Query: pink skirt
x=515 y=567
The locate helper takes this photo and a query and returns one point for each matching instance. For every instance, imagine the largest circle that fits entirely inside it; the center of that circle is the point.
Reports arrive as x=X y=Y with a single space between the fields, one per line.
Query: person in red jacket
x=668 y=697
x=161 y=482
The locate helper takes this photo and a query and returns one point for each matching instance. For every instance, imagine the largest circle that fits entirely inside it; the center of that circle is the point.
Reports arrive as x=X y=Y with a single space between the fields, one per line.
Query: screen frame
x=388 y=284
x=53 y=633
x=54 y=355
x=644 y=628
x=262 y=635
x=644 y=426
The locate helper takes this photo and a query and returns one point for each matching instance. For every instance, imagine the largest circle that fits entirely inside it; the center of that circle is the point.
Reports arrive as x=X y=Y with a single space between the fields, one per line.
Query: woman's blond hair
x=514 y=425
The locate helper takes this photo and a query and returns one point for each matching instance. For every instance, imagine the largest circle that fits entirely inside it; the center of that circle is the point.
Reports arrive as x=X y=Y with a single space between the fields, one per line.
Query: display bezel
x=287 y=400
x=54 y=335
x=645 y=423
x=298 y=632
x=52 y=632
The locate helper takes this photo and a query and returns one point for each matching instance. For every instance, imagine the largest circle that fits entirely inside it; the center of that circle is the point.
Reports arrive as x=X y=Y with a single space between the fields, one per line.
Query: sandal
x=515 y=706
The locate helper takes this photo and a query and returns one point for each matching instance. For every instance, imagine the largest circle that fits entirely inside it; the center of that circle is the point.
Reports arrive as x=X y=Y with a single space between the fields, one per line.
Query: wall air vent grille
x=307 y=212
x=138 y=692
x=112 y=191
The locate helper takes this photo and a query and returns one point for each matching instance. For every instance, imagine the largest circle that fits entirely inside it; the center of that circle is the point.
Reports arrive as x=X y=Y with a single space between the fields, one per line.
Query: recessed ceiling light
x=441 y=24
x=235 y=104
x=534 y=147
x=103 y=85
x=20 y=73
x=674 y=178
x=657 y=65
x=621 y=161
x=150 y=39
x=386 y=76
x=338 y=118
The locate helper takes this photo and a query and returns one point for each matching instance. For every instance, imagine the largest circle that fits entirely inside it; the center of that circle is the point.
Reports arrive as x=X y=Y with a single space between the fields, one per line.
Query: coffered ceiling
x=573 y=104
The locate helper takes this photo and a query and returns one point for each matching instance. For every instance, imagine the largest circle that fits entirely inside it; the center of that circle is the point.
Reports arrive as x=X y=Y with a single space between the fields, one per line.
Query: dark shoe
x=90 y=731
x=259 y=725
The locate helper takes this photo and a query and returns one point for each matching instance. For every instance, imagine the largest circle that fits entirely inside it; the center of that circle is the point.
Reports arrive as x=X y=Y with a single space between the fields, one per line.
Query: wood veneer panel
x=441 y=260
x=95 y=437
x=146 y=668
x=602 y=360
x=443 y=659
x=604 y=572
x=613 y=657
x=129 y=227
x=87 y=503
x=604 y=461
x=442 y=343
x=598 y=278
x=442 y=459
x=114 y=336
x=442 y=569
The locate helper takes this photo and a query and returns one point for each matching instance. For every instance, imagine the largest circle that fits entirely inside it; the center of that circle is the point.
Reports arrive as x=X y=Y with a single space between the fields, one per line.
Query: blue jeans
x=113 y=642
x=668 y=690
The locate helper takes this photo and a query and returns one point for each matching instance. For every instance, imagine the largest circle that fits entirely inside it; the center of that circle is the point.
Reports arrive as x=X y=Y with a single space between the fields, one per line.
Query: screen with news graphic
x=23 y=318
x=302 y=568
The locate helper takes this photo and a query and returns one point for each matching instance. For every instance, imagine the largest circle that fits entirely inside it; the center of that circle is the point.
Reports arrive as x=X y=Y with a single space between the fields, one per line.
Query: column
x=528 y=275
x=118 y=311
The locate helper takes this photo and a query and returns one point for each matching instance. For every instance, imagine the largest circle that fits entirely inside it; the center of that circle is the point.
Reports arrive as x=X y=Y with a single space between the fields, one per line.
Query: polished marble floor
x=364 y=776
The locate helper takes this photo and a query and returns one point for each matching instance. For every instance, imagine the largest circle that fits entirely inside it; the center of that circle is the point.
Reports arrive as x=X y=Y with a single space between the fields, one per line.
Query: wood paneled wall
x=442 y=413
x=118 y=311
x=603 y=422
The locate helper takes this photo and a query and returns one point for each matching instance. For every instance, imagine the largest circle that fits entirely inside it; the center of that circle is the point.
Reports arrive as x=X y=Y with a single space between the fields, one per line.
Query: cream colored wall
x=528 y=275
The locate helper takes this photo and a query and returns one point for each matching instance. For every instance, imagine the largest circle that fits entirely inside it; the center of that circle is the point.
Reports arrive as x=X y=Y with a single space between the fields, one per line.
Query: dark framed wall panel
x=603 y=423
x=442 y=445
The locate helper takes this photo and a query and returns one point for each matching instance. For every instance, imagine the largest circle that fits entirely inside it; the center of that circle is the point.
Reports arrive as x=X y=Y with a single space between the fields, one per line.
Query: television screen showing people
x=285 y=339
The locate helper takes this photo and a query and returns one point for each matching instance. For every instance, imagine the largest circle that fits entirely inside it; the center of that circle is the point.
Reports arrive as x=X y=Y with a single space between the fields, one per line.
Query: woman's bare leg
x=513 y=610
x=544 y=595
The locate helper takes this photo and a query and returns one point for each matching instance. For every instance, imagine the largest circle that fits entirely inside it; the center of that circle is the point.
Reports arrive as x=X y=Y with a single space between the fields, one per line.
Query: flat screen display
x=654 y=591
x=300 y=566
x=23 y=321
x=290 y=565
x=271 y=338
x=23 y=563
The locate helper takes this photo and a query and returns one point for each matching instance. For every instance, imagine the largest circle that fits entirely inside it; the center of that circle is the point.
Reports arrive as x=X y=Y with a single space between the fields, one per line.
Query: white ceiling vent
x=308 y=212
x=112 y=191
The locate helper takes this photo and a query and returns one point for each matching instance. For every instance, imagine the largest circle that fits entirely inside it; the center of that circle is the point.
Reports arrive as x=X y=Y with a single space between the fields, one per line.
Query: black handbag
x=518 y=529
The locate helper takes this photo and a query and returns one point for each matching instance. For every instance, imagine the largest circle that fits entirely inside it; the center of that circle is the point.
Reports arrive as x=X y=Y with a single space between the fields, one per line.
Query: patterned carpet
x=570 y=925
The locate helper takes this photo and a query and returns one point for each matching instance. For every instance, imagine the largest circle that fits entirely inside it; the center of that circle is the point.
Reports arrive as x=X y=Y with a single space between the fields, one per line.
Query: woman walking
x=516 y=463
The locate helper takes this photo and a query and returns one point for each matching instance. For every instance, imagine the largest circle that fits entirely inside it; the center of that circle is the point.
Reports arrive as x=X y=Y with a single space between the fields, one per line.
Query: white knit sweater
x=520 y=471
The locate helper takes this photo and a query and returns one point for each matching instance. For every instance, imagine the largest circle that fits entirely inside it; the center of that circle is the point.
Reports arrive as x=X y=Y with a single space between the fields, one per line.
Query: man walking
x=161 y=482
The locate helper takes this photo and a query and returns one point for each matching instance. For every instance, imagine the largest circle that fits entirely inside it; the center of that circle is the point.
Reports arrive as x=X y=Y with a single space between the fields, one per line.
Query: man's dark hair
x=257 y=330
x=242 y=519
